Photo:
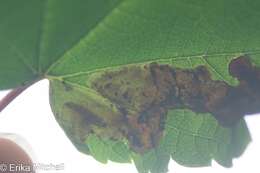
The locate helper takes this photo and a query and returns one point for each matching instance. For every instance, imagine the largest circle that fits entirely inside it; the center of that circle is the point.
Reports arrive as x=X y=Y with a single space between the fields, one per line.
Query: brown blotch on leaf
x=243 y=99
x=143 y=94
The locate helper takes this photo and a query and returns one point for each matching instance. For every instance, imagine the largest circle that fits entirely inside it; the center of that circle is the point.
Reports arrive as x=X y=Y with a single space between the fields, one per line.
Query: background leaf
x=35 y=33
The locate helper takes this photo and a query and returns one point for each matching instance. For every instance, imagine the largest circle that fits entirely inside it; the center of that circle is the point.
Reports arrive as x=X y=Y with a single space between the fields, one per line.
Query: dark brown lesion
x=145 y=129
x=87 y=116
x=143 y=94
x=243 y=99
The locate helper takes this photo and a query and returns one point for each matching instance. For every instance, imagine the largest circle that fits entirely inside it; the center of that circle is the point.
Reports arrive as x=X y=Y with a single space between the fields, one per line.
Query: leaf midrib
x=171 y=58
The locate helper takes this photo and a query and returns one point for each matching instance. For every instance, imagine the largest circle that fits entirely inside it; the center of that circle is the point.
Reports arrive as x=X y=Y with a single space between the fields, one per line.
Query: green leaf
x=195 y=139
x=196 y=32
x=73 y=43
x=104 y=150
x=154 y=161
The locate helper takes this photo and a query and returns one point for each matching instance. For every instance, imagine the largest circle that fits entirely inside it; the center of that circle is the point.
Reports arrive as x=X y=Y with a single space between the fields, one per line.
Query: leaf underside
x=140 y=109
x=85 y=45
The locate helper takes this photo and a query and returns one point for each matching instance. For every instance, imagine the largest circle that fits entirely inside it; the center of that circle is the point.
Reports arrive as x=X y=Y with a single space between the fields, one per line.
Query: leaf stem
x=11 y=96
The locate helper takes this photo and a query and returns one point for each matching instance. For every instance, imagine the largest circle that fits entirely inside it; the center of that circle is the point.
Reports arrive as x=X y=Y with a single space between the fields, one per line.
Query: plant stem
x=11 y=96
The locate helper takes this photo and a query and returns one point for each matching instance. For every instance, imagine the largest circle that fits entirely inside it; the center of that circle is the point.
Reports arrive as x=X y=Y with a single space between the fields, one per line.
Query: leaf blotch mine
x=143 y=94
